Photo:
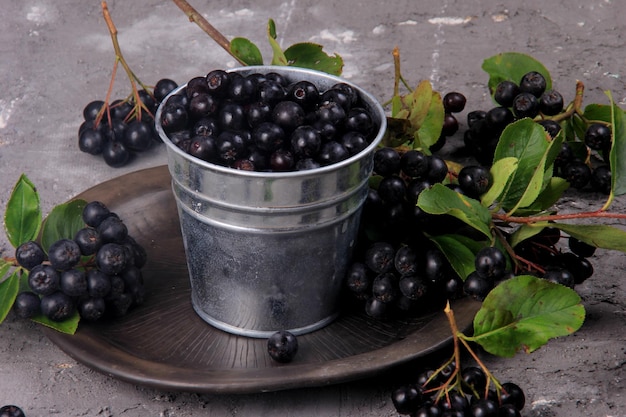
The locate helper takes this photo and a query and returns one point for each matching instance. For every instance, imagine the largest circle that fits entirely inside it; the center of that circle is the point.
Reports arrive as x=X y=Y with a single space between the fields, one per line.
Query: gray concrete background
x=57 y=56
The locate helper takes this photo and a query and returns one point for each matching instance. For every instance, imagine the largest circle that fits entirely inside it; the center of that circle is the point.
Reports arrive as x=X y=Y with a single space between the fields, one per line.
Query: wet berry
x=386 y=161
x=534 y=83
x=406 y=399
x=357 y=278
x=551 y=103
x=559 y=276
x=29 y=254
x=43 y=279
x=413 y=287
x=27 y=304
x=112 y=229
x=577 y=173
x=282 y=346
x=98 y=283
x=601 y=179
x=392 y=189
x=11 y=411
x=581 y=248
x=513 y=394
x=305 y=141
x=91 y=309
x=415 y=164
x=406 y=260
x=490 y=263
x=454 y=102
x=88 y=240
x=331 y=153
x=163 y=87
x=438 y=169
x=525 y=105
x=550 y=126
x=305 y=93
x=57 y=306
x=380 y=257
x=288 y=115
x=505 y=93
x=484 y=408
x=112 y=259
x=450 y=125
x=474 y=180
x=598 y=136
x=477 y=286
x=385 y=287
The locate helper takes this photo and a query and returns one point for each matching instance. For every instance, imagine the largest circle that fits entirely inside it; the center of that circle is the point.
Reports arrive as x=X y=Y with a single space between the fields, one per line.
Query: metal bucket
x=268 y=251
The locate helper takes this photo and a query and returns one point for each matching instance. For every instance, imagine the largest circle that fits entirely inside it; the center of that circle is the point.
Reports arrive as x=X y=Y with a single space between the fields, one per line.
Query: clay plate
x=164 y=344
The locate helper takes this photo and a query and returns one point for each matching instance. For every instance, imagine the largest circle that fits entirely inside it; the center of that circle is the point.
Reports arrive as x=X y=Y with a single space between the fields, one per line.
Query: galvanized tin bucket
x=268 y=251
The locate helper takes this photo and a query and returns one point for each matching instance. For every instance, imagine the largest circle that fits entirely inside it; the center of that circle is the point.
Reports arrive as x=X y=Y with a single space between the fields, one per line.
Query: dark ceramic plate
x=164 y=344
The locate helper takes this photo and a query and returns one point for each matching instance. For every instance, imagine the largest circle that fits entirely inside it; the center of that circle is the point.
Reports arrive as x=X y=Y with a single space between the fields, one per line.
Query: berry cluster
x=579 y=173
x=96 y=272
x=396 y=268
x=267 y=122
x=123 y=128
x=568 y=268
x=11 y=411
x=470 y=397
x=529 y=98
x=394 y=281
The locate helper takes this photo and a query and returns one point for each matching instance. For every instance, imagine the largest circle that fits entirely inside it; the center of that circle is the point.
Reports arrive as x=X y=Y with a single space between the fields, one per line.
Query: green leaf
x=63 y=222
x=311 y=55
x=530 y=144
x=430 y=129
x=440 y=199
x=278 y=57
x=526 y=231
x=246 y=51
x=501 y=171
x=417 y=102
x=460 y=251
x=618 y=150
x=423 y=109
x=548 y=197
x=22 y=218
x=523 y=313
x=8 y=289
x=512 y=66
x=599 y=235
x=597 y=113
x=67 y=326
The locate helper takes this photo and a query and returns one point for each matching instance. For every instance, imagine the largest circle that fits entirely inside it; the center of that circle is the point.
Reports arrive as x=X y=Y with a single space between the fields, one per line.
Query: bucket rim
x=372 y=102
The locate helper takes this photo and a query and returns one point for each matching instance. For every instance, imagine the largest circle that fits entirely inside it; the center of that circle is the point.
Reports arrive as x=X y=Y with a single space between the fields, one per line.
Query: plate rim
x=86 y=343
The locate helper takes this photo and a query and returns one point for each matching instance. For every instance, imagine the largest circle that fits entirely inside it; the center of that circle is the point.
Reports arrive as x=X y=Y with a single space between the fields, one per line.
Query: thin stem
x=119 y=58
x=210 y=30
x=106 y=108
x=397 y=76
x=575 y=107
x=557 y=217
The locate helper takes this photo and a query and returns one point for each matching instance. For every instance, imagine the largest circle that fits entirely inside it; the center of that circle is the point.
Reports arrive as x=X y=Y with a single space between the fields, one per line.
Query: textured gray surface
x=57 y=56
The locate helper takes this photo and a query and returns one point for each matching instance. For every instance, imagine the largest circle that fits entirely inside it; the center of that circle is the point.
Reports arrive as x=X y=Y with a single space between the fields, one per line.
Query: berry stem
x=210 y=30
x=575 y=107
x=119 y=58
x=460 y=337
x=556 y=217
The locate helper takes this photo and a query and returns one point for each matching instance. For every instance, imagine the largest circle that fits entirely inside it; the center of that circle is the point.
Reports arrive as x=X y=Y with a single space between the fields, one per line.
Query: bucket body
x=268 y=251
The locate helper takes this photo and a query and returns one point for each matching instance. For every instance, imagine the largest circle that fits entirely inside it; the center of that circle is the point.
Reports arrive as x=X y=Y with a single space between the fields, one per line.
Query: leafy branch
x=305 y=54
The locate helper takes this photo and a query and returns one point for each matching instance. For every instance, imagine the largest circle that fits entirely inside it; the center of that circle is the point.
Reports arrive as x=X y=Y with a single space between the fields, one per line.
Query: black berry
x=29 y=254
x=282 y=346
